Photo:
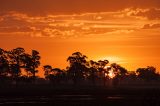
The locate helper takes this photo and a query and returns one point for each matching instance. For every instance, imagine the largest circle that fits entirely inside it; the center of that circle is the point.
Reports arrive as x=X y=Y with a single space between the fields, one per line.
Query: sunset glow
x=112 y=59
x=111 y=74
x=126 y=32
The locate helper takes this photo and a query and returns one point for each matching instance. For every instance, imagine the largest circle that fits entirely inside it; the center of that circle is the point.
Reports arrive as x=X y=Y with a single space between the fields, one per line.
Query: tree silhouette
x=58 y=75
x=12 y=62
x=55 y=75
x=148 y=73
x=4 y=65
x=93 y=71
x=47 y=71
x=101 y=68
x=119 y=73
x=118 y=70
x=77 y=66
x=15 y=61
x=32 y=62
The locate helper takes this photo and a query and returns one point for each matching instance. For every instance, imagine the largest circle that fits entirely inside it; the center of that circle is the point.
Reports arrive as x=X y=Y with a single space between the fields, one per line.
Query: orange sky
x=122 y=31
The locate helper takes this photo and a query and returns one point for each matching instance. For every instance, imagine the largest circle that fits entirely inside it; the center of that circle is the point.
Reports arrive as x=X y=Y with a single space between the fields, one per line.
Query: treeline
x=18 y=66
x=81 y=71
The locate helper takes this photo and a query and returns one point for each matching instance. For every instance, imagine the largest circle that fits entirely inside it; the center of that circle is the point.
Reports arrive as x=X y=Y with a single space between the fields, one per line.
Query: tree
x=15 y=61
x=77 y=66
x=47 y=70
x=32 y=62
x=58 y=75
x=35 y=62
x=12 y=62
x=55 y=75
x=102 y=70
x=4 y=64
x=102 y=63
x=93 y=71
x=97 y=70
x=148 y=73
x=119 y=72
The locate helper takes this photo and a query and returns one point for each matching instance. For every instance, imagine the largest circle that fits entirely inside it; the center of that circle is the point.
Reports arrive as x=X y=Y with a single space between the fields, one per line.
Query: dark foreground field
x=78 y=96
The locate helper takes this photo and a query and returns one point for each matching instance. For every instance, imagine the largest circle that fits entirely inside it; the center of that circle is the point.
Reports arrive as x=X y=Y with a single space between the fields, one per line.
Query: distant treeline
x=20 y=67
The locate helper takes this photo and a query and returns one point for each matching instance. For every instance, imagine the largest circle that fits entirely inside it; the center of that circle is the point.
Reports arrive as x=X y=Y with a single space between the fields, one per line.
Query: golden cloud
x=151 y=14
x=76 y=25
x=151 y=26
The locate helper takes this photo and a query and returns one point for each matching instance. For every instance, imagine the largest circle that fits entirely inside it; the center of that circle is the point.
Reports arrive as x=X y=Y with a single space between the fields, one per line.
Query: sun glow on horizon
x=111 y=59
x=111 y=74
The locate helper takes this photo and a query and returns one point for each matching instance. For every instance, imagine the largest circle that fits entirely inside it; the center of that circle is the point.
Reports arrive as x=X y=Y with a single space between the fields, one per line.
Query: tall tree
x=102 y=70
x=4 y=64
x=93 y=72
x=15 y=61
x=119 y=73
x=118 y=70
x=32 y=62
x=77 y=66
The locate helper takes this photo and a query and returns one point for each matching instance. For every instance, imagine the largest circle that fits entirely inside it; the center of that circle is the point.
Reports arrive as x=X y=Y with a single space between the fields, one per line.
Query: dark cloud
x=148 y=26
x=41 y=7
x=12 y=22
x=15 y=29
x=9 y=20
x=151 y=14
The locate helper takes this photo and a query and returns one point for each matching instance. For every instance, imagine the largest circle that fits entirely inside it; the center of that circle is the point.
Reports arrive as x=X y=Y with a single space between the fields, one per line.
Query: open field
x=79 y=96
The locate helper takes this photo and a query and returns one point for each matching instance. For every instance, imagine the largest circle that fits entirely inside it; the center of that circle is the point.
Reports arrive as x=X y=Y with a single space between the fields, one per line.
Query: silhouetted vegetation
x=83 y=82
x=148 y=73
x=18 y=66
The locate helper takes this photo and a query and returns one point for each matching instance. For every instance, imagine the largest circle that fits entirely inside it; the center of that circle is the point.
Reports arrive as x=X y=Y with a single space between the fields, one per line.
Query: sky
x=123 y=31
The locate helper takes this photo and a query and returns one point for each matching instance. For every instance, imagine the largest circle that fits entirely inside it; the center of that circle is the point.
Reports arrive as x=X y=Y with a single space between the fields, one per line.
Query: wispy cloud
x=75 y=25
x=151 y=14
x=43 y=7
x=153 y=26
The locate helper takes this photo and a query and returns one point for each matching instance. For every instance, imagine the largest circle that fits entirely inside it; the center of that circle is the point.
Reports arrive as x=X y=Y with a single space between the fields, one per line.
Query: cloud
x=43 y=7
x=13 y=19
x=73 y=25
x=121 y=32
x=60 y=26
x=15 y=29
x=153 y=26
x=151 y=14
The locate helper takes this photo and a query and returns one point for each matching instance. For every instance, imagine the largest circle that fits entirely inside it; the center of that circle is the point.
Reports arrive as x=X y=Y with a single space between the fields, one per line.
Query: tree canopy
x=17 y=64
